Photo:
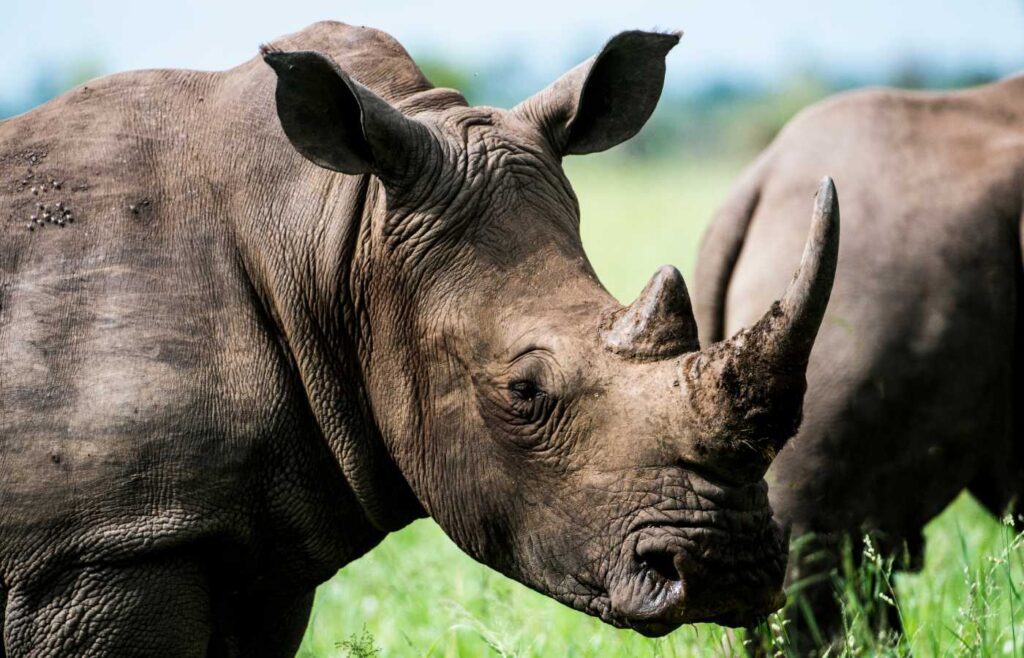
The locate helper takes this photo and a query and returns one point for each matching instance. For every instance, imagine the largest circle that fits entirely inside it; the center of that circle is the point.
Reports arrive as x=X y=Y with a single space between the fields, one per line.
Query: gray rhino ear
x=339 y=124
x=605 y=100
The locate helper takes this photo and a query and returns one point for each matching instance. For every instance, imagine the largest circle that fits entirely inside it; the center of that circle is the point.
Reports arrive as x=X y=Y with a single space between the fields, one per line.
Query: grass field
x=418 y=595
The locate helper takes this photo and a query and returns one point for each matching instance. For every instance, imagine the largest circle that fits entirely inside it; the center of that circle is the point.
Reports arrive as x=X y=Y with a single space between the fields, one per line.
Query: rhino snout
x=721 y=559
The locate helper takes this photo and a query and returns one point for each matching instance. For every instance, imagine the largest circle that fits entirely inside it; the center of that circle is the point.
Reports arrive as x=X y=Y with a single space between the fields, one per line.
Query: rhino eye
x=526 y=390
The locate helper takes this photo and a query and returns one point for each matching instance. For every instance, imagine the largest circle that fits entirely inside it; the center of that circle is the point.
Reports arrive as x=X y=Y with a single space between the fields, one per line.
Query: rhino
x=253 y=321
x=914 y=383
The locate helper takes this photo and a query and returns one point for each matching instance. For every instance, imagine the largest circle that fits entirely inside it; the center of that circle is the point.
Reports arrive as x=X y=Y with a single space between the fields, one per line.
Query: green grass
x=417 y=595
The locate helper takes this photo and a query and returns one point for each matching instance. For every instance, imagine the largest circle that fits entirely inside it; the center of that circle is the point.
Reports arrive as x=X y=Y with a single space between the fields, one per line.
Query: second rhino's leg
x=999 y=487
x=999 y=484
x=156 y=608
x=812 y=620
x=817 y=582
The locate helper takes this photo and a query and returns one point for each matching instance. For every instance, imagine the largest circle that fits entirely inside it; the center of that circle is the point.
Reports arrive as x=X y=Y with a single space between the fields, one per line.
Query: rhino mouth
x=715 y=555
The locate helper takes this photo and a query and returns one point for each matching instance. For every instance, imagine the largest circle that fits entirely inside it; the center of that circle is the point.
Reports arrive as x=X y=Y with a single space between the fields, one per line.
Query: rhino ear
x=605 y=100
x=338 y=123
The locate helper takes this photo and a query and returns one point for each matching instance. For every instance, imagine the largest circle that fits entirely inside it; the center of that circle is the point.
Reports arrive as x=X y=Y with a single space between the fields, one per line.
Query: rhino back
x=113 y=369
x=922 y=313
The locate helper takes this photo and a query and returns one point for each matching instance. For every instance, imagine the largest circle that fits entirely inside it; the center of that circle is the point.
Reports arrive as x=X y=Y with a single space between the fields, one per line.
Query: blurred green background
x=742 y=70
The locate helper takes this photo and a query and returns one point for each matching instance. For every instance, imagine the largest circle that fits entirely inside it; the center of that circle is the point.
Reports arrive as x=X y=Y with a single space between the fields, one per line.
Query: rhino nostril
x=662 y=563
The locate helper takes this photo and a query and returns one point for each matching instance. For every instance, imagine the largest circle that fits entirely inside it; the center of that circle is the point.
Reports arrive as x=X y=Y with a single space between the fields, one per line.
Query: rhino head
x=591 y=451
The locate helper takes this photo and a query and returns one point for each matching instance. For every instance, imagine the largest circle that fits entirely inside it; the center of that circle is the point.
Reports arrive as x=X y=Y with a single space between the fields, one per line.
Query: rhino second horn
x=659 y=323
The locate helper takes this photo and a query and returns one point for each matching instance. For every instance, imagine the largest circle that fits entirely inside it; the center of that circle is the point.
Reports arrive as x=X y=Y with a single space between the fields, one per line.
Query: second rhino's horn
x=659 y=323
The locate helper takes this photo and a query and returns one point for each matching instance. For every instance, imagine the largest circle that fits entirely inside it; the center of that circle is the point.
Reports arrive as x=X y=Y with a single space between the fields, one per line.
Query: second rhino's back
x=928 y=183
x=917 y=347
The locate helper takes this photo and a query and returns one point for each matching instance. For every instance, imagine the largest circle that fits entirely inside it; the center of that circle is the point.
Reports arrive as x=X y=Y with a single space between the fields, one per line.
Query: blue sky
x=723 y=38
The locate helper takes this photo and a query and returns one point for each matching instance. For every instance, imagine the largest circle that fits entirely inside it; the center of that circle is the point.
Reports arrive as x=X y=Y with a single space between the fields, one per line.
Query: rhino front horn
x=659 y=323
x=796 y=318
x=747 y=391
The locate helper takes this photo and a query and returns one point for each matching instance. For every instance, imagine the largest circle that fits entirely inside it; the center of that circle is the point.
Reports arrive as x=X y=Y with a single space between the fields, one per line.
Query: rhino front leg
x=157 y=608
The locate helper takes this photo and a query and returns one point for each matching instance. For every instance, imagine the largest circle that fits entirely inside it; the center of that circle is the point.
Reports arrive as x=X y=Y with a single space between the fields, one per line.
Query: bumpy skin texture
x=232 y=371
x=915 y=380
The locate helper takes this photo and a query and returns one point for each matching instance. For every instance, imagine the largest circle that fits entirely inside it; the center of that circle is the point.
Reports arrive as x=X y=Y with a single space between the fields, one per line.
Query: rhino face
x=589 y=450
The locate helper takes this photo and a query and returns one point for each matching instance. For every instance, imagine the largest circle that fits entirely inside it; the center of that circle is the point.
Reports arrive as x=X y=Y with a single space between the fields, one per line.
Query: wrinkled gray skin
x=232 y=371
x=914 y=385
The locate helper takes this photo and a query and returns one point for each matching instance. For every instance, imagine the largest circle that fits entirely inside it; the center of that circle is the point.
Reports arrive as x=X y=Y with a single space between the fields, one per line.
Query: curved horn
x=747 y=391
x=803 y=306
x=659 y=323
